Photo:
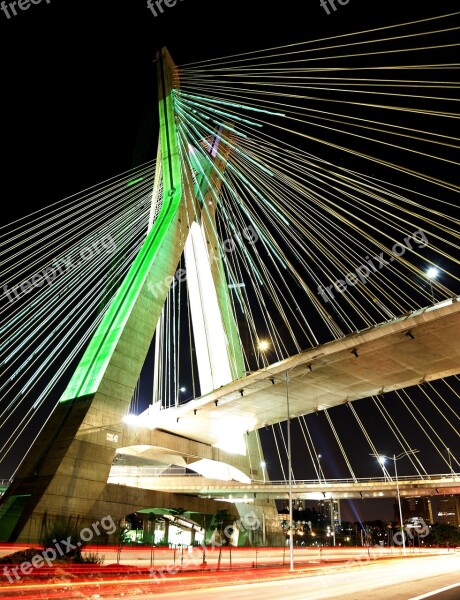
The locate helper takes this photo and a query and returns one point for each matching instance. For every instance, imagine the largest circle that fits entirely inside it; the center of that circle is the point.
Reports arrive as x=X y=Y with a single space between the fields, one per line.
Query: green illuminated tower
x=66 y=471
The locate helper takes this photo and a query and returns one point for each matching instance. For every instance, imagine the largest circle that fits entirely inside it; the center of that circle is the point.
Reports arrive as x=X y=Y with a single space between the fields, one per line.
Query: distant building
x=299 y=505
x=415 y=507
x=449 y=510
x=325 y=508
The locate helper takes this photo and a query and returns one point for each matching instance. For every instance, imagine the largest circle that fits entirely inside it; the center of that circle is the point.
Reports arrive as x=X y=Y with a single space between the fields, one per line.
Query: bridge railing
x=147 y=471
x=361 y=479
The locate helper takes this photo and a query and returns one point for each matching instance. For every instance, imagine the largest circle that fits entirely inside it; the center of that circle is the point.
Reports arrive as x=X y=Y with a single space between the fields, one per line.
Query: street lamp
x=291 y=536
x=264 y=346
x=432 y=274
x=179 y=396
x=382 y=458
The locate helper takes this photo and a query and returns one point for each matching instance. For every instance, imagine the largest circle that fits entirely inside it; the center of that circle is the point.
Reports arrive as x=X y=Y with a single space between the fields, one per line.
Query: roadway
x=436 y=578
x=341 y=573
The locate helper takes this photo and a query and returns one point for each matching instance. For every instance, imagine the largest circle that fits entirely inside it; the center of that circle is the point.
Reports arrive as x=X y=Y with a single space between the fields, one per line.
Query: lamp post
x=291 y=535
x=432 y=274
x=263 y=347
x=382 y=458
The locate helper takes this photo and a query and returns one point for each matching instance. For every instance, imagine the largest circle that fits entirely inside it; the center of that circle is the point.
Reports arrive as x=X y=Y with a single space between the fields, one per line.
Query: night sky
x=79 y=81
x=78 y=105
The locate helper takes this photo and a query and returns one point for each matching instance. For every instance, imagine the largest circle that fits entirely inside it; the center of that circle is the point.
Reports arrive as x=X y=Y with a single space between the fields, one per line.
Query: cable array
x=61 y=266
x=336 y=162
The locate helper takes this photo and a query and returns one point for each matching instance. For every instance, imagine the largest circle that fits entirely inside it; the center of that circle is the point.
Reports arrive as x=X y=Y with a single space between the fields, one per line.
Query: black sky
x=78 y=78
x=79 y=82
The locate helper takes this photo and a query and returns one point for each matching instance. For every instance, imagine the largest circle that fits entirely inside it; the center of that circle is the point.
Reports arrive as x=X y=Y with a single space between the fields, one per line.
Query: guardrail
x=452 y=476
x=146 y=471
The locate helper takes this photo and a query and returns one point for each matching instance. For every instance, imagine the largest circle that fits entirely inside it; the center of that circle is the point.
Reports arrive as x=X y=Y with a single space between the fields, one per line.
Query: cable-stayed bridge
x=300 y=197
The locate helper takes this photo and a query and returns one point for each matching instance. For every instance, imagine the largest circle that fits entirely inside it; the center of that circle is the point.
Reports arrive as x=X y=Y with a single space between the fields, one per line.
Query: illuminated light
x=234 y=500
x=93 y=365
x=183 y=389
x=264 y=345
x=134 y=181
x=432 y=273
x=212 y=354
x=214 y=469
x=381 y=460
x=131 y=419
x=226 y=103
x=231 y=442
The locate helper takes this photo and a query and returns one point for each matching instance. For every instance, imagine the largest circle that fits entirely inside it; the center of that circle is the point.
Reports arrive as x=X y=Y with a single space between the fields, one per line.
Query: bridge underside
x=421 y=346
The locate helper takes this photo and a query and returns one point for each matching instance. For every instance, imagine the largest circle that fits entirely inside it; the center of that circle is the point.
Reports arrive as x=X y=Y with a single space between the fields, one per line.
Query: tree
x=63 y=529
x=444 y=534
x=122 y=537
x=219 y=522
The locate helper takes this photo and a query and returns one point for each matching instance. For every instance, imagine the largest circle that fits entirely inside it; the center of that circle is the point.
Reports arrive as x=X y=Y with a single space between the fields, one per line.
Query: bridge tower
x=65 y=473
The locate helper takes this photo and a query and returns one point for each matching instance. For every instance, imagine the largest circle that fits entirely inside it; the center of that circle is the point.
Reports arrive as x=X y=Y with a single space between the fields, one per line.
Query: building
x=415 y=507
x=330 y=509
x=449 y=510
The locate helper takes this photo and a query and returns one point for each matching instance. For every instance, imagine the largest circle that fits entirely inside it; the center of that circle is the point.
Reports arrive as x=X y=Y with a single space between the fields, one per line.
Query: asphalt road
x=389 y=580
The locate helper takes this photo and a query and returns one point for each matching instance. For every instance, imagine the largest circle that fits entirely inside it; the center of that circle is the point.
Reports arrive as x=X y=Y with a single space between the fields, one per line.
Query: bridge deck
x=421 y=346
x=307 y=490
